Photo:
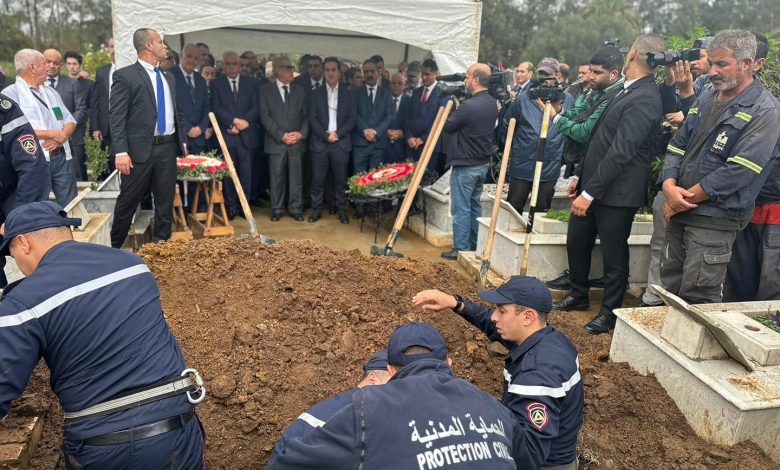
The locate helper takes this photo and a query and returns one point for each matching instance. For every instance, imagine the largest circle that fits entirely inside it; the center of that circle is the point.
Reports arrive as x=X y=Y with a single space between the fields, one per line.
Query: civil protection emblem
x=537 y=415
x=5 y=105
x=28 y=143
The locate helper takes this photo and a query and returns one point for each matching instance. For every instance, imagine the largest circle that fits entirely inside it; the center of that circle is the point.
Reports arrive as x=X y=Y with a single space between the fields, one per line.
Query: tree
x=621 y=10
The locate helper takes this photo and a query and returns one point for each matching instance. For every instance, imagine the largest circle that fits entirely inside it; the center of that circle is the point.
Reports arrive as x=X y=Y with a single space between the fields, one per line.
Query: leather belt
x=164 y=139
x=141 y=432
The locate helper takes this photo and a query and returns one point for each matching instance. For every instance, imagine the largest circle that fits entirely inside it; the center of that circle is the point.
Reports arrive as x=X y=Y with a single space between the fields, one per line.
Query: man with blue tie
x=192 y=98
x=374 y=115
x=144 y=125
x=234 y=99
x=396 y=149
x=424 y=105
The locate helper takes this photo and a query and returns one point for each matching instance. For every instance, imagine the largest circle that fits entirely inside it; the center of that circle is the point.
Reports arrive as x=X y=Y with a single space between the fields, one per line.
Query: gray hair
x=142 y=37
x=741 y=43
x=26 y=57
x=278 y=61
x=229 y=54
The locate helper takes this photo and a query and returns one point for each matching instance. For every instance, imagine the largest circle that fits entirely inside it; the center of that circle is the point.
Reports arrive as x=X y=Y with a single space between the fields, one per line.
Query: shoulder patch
x=537 y=415
x=6 y=105
x=29 y=144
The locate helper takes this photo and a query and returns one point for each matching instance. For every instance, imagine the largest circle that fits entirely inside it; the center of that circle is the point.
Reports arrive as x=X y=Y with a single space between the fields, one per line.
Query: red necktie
x=425 y=96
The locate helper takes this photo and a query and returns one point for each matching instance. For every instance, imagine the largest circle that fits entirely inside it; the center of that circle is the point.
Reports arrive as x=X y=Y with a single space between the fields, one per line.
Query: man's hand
x=209 y=133
x=395 y=134
x=683 y=78
x=675 y=196
x=233 y=131
x=124 y=164
x=50 y=145
x=668 y=212
x=571 y=190
x=59 y=136
x=669 y=77
x=332 y=137
x=370 y=134
x=556 y=105
x=97 y=135
x=83 y=74
x=194 y=132
x=580 y=206
x=675 y=119
x=241 y=124
x=434 y=300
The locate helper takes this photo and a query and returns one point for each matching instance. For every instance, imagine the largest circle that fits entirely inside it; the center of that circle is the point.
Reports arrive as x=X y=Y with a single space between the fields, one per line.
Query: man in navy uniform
x=93 y=313
x=543 y=387
x=422 y=418
x=374 y=373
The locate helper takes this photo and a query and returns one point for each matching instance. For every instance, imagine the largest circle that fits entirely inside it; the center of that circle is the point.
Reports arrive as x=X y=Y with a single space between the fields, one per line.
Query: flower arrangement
x=206 y=166
x=386 y=179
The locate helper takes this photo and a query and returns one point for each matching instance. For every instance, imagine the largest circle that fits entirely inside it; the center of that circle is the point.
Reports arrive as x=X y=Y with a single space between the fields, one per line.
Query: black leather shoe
x=561 y=282
x=571 y=303
x=275 y=216
x=298 y=217
x=343 y=218
x=601 y=323
x=232 y=213
x=451 y=255
x=645 y=304
x=315 y=216
x=597 y=283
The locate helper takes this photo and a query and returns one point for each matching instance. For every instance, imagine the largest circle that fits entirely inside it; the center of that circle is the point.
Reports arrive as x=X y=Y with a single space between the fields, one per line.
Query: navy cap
x=522 y=290
x=415 y=334
x=377 y=362
x=34 y=216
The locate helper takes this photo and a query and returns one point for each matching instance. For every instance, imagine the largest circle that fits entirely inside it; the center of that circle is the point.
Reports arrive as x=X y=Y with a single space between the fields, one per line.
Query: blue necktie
x=160 y=103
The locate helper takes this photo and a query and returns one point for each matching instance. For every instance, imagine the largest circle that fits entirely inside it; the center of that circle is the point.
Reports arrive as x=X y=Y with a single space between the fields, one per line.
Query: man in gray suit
x=74 y=99
x=284 y=114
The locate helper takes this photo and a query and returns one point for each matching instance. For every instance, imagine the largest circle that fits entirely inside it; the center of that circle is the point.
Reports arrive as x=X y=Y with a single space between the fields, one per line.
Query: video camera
x=666 y=58
x=546 y=89
x=500 y=83
x=615 y=42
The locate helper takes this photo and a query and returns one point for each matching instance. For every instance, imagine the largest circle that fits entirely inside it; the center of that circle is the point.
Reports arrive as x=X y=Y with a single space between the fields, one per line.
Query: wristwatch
x=458 y=305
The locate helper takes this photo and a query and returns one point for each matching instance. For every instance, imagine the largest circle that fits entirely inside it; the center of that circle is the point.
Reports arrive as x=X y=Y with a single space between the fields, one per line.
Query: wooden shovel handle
x=499 y=190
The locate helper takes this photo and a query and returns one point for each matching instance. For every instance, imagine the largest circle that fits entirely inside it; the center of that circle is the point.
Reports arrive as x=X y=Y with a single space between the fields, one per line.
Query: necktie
x=286 y=95
x=160 y=103
x=191 y=87
x=395 y=104
x=52 y=82
x=371 y=94
x=235 y=89
x=424 y=96
x=315 y=86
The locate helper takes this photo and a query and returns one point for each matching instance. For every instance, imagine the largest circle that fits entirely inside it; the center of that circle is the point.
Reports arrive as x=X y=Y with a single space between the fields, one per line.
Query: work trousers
x=336 y=160
x=656 y=245
x=466 y=184
x=367 y=157
x=754 y=270
x=694 y=260
x=181 y=449
x=286 y=167
x=157 y=174
x=613 y=227
x=63 y=178
x=242 y=160
x=520 y=193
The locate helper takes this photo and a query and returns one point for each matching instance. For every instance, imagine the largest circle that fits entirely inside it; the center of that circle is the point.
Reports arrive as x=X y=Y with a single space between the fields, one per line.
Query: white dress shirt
x=333 y=107
x=169 y=118
x=369 y=90
x=430 y=90
x=279 y=86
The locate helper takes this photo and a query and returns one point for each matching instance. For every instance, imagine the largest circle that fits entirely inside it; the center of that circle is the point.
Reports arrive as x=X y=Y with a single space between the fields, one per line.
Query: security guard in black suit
x=24 y=174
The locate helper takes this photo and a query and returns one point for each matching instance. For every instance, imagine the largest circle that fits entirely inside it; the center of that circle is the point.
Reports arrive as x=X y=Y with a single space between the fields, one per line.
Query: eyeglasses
x=288 y=67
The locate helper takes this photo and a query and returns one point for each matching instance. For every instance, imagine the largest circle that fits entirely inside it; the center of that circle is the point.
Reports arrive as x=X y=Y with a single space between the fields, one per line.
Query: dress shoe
x=561 y=282
x=275 y=216
x=315 y=216
x=343 y=218
x=451 y=255
x=571 y=303
x=601 y=323
x=597 y=283
x=647 y=304
x=298 y=217
x=232 y=213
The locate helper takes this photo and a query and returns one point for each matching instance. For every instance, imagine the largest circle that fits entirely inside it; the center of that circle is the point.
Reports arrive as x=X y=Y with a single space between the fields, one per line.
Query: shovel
x=430 y=145
x=253 y=233
x=535 y=188
x=497 y=203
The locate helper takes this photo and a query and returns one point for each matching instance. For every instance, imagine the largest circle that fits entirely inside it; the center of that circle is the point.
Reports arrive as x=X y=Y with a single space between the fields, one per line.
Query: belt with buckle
x=164 y=139
x=141 y=432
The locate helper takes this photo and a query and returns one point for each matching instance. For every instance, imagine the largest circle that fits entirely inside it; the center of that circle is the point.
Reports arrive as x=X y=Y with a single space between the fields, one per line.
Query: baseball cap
x=34 y=216
x=377 y=362
x=415 y=334
x=549 y=65
x=522 y=290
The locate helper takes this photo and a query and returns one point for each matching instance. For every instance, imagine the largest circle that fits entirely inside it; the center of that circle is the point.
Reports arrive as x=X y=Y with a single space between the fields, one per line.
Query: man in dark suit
x=396 y=148
x=424 y=105
x=73 y=61
x=235 y=103
x=284 y=113
x=611 y=184
x=146 y=133
x=75 y=100
x=332 y=117
x=374 y=115
x=192 y=99
x=99 y=101
x=384 y=74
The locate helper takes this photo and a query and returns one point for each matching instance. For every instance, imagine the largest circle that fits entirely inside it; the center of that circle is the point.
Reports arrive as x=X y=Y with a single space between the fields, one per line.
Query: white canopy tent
x=399 y=30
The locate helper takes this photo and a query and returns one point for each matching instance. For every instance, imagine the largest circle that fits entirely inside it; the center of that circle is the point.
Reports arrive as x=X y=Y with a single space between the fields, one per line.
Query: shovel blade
x=483 y=270
x=384 y=251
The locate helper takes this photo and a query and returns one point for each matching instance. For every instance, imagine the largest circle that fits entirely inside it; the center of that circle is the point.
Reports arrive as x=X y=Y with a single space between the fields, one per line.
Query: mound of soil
x=275 y=329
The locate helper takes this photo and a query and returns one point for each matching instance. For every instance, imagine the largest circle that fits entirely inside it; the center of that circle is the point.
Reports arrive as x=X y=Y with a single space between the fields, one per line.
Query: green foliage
x=94 y=58
x=97 y=159
x=767 y=322
x=560 y=216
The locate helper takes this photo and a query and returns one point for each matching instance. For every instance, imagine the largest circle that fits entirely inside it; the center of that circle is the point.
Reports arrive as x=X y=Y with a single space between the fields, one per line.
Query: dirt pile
x=275 y=329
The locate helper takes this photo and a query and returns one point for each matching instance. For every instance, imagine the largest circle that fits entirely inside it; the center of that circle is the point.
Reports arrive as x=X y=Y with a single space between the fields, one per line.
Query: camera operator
x=713 y=170
x=684 y=82
x=526 y=141
x=612 y=185
x=469 y=147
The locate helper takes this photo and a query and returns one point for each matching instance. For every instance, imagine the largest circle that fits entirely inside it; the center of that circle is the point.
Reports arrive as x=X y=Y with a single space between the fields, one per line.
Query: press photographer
x=469 y=145
x=544 y=87
x=686 y=76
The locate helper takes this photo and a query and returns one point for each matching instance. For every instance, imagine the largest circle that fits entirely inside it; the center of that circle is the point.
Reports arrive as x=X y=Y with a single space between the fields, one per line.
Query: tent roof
x=449 y=29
